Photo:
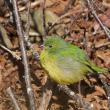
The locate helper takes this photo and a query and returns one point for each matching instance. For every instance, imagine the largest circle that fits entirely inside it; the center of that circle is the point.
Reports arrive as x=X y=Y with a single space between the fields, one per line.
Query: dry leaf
x=105 y=56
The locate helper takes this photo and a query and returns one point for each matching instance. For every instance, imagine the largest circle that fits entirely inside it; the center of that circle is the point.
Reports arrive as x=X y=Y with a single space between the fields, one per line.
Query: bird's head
x=54 y=44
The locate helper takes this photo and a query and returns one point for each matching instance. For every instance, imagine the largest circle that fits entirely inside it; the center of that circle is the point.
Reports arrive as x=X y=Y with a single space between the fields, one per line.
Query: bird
x=66 y=63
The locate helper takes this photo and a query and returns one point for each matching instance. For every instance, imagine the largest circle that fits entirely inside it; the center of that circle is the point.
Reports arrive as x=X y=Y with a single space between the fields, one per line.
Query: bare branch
x=11 y=52
x=107 y=89
x=106 y=30
x=78 y=99
x=24 y=55
x=47 y=94
x=43 y=17
x=10 y=93
x=33 y=5
x=28 y=4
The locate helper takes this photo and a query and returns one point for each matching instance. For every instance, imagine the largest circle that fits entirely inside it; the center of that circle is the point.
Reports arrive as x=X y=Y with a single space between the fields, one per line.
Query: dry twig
x=10 y=93
x=71 y=94
x=43 y=17
x=11 y=52
x=24 y=55
x=107 y=88
x=106 y=30
x=47 y=94
x=33 y=5
x=28 y=4
x=102 y=45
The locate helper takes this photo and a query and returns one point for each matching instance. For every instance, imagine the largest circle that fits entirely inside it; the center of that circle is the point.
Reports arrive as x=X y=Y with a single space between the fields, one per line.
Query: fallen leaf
x=105 y=56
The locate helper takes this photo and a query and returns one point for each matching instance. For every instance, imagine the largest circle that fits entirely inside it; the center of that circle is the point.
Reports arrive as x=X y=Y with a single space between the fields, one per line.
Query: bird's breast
x=63 y=71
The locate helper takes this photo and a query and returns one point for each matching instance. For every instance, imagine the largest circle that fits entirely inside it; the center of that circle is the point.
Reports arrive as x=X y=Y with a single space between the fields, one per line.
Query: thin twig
x=102 y=45
x=47 y=94
x=11 y=52
x=44 y=17
x=33 y=5
x=28 y=4
x=71 y=94
x=10 y=93
x=24 y=55
x=106 y=30
x=58 y=21
x=79 y=89
x=107 y=88
x=26 y=34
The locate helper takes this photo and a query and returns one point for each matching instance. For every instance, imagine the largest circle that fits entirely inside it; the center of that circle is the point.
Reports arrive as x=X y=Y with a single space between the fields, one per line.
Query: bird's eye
x=50 y=46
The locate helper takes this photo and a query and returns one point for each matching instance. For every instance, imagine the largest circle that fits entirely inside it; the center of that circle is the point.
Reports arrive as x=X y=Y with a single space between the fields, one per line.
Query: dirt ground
x=80 y=27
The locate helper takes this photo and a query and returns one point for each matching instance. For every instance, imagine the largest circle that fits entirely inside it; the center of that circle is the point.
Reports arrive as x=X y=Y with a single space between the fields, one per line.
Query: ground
x=79 y=27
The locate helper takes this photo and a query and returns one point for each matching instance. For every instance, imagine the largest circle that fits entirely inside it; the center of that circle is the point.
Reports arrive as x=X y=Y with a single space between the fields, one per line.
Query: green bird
x=66 y=63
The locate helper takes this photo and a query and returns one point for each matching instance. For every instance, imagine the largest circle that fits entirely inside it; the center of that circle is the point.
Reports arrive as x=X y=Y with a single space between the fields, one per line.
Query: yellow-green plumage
x=66 y=63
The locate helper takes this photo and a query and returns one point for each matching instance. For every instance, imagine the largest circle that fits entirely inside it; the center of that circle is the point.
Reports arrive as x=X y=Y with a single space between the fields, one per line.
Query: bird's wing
x=82 y=57
x=78 y=54
x=70 y=64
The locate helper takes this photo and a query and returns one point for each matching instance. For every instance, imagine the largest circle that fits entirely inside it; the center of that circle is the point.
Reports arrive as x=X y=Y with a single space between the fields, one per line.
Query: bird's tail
x=97 y=69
